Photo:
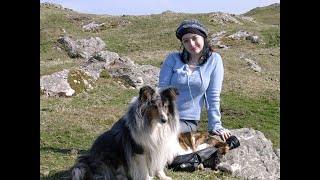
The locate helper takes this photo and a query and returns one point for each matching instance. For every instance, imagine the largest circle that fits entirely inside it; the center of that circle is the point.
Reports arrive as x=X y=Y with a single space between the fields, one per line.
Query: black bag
x=190 y=162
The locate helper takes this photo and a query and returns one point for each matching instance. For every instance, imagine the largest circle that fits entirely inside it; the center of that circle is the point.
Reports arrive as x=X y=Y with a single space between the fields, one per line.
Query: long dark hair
x=206 y=52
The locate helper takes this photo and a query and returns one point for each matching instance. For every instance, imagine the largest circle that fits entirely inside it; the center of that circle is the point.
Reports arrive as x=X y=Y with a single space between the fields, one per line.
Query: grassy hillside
x=269 y=14
x=249 y=99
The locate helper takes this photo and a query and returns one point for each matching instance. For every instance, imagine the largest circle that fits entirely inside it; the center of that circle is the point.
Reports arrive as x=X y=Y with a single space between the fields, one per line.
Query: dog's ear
x=170 y=93
x=175 y=91
x=146 y=93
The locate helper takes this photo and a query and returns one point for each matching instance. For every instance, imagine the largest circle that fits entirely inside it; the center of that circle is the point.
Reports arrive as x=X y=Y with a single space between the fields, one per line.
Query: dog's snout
x=163 y=120
x=164 y=117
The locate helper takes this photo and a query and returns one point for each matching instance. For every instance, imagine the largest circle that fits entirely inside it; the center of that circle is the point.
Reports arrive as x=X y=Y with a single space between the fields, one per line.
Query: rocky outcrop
x=56 y=84
x=255 y=158
x=97 y=60
x=246 y=35
x=82 y=48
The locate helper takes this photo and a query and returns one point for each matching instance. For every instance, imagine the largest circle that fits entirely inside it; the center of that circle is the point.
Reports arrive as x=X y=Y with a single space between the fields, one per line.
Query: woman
x=197 y=71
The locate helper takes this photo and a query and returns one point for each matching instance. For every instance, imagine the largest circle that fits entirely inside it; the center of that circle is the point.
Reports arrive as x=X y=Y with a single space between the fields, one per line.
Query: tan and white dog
x=199 y=150
x=195 y=141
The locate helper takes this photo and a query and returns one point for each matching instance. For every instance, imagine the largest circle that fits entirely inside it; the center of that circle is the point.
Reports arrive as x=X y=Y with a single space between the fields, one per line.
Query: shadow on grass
x=57 y=176
x=62 y=175
x=62 y=151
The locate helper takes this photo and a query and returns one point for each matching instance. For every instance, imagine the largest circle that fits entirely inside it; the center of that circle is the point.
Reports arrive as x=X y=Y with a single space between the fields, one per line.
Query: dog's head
x=158 y=105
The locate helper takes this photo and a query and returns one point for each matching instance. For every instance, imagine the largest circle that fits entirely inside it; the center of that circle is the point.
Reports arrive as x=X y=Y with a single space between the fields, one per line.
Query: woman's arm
x=166 y=72
x=213 y=94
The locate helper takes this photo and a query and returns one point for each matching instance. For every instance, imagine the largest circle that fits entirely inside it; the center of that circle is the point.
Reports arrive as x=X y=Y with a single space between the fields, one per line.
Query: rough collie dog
x=139 y=145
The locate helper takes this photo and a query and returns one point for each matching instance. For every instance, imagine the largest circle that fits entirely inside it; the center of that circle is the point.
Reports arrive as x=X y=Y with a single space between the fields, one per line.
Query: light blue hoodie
x=204 y=84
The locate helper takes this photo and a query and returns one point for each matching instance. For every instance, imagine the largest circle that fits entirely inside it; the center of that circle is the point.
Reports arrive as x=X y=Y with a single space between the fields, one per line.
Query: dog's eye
x=151 y=102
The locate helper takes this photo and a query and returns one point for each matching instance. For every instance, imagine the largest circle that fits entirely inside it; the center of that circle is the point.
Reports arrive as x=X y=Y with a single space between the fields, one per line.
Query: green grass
x=248 y=99
x=258 y=113
x=243 y=112
x=269 y=14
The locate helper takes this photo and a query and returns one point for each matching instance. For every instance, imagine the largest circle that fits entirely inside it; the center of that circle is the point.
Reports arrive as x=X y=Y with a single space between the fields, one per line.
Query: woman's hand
x=223 y=133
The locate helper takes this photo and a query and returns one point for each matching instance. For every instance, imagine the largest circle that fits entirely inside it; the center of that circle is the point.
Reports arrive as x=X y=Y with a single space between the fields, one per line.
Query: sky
x=147 y=7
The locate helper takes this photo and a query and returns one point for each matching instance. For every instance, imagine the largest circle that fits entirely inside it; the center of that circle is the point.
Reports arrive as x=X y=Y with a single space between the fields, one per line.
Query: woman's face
x=193 y=43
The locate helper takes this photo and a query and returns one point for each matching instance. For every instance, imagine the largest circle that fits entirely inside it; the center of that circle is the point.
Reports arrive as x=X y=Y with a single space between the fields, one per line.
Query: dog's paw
x=200 y=167
x=166 y=178
x=162 y=176
x=149 y=178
